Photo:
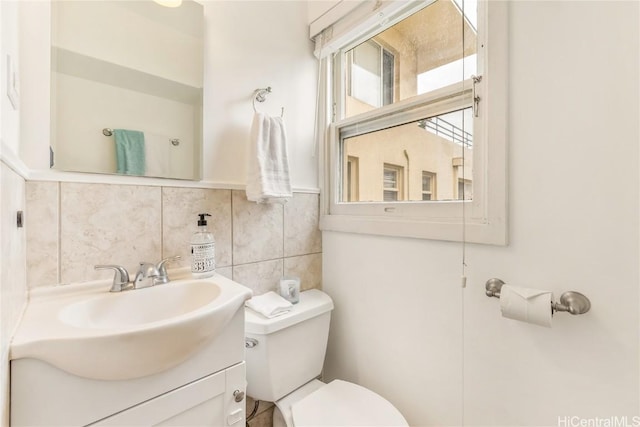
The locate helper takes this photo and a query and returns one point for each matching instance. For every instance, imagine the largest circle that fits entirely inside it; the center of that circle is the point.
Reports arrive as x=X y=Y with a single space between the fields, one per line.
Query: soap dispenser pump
x=203 y=250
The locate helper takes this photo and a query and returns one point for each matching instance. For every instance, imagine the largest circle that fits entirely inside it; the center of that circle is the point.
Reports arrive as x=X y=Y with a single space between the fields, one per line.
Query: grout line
x=59 y=239
x=162 y=255
x=304 y=254
x=233 y=250
x=283 y=238
x=256 y=262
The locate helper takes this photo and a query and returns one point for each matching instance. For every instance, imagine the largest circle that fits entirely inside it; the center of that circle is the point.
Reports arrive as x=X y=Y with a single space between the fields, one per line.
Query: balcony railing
x=447 y=130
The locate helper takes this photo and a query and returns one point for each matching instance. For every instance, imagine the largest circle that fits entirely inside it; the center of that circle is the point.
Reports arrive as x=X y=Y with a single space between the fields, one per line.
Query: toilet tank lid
x=312 y=303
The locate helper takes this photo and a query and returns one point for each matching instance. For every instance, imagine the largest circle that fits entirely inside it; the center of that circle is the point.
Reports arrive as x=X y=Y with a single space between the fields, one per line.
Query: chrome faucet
x=151 y=275
x=148 y=275
x=120 y=279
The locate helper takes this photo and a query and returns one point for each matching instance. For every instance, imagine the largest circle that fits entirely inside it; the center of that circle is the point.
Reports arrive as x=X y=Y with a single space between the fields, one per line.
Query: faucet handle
x=120 y=278
x=163 y=277
x=161 y=268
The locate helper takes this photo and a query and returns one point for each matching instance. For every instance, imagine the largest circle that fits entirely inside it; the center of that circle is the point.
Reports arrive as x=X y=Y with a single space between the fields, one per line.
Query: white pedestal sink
x=172 y=353
x=93 y=333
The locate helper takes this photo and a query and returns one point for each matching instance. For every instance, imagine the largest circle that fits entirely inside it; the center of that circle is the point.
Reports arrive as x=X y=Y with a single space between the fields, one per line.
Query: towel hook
x=260 y=95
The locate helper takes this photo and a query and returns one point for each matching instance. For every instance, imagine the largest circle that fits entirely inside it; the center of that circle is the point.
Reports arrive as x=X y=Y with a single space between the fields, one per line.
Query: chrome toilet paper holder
x=570 y=301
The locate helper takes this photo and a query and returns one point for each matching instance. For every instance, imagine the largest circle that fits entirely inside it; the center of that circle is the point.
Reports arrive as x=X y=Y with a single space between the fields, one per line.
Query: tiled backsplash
x=73 y=226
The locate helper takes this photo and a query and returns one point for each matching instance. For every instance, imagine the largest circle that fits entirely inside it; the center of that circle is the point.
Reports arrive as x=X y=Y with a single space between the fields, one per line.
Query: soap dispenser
x=203 y=250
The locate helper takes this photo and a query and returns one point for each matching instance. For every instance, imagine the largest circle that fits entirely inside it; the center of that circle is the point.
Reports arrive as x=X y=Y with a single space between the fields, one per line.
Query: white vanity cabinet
x=198 y=391
x=209 y=401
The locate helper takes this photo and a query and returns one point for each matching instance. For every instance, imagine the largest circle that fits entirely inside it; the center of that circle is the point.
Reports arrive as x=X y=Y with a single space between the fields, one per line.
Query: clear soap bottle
x=203 y=250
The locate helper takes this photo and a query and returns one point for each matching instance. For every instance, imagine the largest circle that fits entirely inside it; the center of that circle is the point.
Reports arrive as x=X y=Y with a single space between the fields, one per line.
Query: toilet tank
x=287 y=351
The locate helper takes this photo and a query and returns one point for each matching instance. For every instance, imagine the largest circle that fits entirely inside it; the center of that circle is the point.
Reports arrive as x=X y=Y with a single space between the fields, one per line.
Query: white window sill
x=475 y=231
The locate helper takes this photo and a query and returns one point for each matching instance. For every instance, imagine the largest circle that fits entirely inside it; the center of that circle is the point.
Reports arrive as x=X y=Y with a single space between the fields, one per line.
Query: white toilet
x=284 y=357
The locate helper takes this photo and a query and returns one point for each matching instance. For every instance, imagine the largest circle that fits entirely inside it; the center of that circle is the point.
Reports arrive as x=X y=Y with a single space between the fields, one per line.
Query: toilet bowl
x=339 y=403
x=284 y=357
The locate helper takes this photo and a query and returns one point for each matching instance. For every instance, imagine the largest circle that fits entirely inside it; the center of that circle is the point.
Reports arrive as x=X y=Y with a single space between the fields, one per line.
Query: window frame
x=352 y=185
x=463 y=183
x=349 y=62
x=432 y=192
x=399 y=181
x=484 y=218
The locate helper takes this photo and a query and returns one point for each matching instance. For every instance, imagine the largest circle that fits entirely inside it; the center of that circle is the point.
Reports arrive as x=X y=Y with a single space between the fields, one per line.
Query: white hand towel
x=268 y=175
x=157 y=154
x=269 y=304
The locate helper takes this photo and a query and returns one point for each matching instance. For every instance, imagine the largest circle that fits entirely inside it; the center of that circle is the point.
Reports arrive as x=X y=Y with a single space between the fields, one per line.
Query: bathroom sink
x=129 y=308
x=90 y=332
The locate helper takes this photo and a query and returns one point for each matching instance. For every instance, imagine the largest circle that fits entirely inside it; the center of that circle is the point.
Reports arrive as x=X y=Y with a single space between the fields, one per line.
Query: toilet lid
x=341 y=403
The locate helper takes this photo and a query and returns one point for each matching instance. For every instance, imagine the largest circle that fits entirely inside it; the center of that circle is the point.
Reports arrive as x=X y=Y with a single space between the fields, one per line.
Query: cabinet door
x=207 y=402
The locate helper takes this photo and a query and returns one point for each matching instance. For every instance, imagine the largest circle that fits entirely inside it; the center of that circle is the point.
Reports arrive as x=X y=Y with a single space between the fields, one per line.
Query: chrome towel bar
x=109 y=132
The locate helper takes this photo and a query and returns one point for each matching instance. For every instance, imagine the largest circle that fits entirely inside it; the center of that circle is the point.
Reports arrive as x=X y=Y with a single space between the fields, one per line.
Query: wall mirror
x=131 y=66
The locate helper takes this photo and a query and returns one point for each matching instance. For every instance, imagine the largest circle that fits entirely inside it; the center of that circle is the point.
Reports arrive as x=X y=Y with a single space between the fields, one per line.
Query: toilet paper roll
x=526 y=305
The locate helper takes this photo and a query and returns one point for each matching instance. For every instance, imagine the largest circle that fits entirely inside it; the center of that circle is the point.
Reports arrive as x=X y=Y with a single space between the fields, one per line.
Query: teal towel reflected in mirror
x=130 y=157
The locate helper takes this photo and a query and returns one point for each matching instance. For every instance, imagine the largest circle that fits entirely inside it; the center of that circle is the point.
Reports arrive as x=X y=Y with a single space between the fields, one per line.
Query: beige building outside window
x=429 y=50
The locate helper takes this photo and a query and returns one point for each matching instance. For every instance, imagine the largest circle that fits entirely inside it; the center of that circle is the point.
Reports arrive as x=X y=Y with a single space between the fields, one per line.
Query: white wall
x=12 y=199
x=251 y=45
x=35 y=61
x=9 y=116
x=13 y=287
x=444 y=356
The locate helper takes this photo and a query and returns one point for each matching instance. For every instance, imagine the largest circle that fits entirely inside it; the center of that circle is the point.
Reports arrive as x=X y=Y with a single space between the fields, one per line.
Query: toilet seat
x=341 y=403
x=284 y=416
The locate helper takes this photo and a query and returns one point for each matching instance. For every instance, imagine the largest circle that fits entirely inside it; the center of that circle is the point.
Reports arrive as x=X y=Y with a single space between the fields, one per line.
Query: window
x=406 y=100
x=353 y=179
x=392 y=183
x=434 y=47
x=464 y=189
x=371 y=76
x=428 y=185
x=432 y=143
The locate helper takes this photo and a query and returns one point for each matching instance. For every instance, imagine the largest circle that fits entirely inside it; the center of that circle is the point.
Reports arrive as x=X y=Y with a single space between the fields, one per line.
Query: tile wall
x=73 y=226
